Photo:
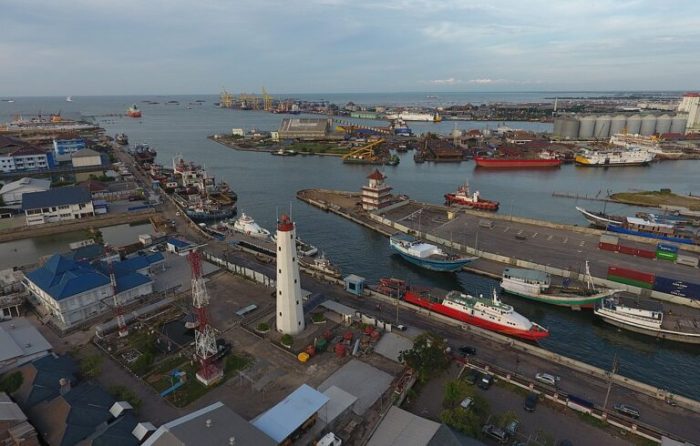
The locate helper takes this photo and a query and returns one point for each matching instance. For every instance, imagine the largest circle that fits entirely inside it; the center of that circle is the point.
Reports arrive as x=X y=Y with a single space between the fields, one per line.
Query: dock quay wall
x=77 y=225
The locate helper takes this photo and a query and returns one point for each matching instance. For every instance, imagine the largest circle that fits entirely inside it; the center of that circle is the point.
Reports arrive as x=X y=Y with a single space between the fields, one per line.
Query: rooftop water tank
x=634 y=124
x=648 y=125
x=602 y=127
x=679 y=122
x=663 y=124
x=587 y=125
x=618 y=124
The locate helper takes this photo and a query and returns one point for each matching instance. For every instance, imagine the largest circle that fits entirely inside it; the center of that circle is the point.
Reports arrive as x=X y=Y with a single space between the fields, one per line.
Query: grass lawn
x=657 y=198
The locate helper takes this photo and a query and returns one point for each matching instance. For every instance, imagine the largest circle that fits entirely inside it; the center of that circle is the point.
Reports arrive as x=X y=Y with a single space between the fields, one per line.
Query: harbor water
x=267 y=185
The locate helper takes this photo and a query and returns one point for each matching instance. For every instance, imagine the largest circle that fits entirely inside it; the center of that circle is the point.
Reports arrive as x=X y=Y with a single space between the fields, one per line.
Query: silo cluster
x=604 y=126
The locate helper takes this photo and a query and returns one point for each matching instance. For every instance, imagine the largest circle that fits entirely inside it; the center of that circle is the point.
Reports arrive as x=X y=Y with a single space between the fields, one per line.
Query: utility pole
x=610 y=379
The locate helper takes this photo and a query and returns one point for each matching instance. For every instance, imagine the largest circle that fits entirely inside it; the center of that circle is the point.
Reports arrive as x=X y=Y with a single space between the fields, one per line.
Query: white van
x=546 y=378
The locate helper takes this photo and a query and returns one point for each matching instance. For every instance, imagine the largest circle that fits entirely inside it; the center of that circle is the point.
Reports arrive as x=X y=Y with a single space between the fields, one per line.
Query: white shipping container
x=610 y=239
x=687 y=260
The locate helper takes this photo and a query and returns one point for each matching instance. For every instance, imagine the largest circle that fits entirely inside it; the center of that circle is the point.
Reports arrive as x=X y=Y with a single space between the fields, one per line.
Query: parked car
x=495 y=433
x=466 y=403
x=546 y=378
x=531 y=402
x=485 y=382
x=467 y=350
x=629 y=411
x=512 y=427
x=473 y=376
x=401 y=327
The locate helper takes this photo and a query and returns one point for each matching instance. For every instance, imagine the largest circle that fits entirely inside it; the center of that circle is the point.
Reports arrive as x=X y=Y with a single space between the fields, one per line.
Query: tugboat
x=246 y=225
x=463 y=198
x=537 y=285
x=133 y=112
x=323 y=264
x=121 y=139
x=426 y=255
x=490 y=314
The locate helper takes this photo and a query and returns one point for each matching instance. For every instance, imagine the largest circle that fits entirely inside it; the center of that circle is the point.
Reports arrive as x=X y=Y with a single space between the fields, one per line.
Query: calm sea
x=267 y=183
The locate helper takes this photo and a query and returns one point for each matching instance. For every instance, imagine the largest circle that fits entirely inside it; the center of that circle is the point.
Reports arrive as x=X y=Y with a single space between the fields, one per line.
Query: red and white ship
x=473 y=200
x=133 y=112
x=490 y=314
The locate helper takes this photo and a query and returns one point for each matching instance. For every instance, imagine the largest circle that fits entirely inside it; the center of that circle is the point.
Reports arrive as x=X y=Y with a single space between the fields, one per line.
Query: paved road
x=558 y=248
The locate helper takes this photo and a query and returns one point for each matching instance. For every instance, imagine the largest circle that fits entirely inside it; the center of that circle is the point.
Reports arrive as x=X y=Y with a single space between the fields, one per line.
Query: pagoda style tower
x=376 y=194
x=290 y=312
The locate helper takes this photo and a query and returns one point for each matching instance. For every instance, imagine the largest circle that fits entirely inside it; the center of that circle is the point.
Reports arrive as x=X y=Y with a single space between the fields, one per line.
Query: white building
x=20 y=343
x=72 y=292
x=26 y=157
x=61 y=204
x=86 y=158
x=290 y=311
x=11 y=193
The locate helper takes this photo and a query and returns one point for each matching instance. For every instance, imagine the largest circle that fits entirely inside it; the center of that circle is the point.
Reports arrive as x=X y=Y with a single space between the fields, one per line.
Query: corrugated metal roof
x=400 y=427
x=18 y=337
x=26 y=182
x=283 y=419
x=56 y=197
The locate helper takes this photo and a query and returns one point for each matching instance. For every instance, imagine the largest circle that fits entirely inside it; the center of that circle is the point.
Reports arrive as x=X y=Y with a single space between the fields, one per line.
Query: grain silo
x=585 y=130
x=679 y=122
x=648 y=125
x=663 y=124
x=602 y=127
x=618 y=124
x=558 y=127
x=570 y=129
x=634 y=124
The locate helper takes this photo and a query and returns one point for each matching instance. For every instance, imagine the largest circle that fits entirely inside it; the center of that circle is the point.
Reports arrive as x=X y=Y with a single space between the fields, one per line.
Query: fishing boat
x=601 y=219
x=69 y=99
x=133 y=112
x=393 y=160
x=121 y=139
x=472 y=200
x=213 y=231
x=655 y=230
x=647 y=318
x=324 y=265
x=207 y=212
x=490 y=314
x=537 y=285
x=246 y=225
x=306 y=249
x=426 y=255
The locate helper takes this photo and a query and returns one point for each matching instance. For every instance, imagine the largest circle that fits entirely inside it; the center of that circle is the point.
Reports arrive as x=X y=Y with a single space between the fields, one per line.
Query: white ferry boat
x=614 y=158
x=246 y=225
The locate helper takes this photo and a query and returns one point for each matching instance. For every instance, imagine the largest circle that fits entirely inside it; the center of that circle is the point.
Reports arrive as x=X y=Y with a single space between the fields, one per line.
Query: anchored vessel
x=426 y=255
x=545 y=159
x=601 y=219
x=659 y=231
x=133 y=112
x=464 y=198
x=246 y=225
x=323 y=264
x=646 y=319
x=617 y=157
x=490 y=314
x=537 y=285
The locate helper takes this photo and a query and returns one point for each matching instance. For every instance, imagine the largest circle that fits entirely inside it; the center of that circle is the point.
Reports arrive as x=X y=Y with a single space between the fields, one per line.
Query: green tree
x=465 y=421
x=427 y=357
x=455 y=392
x=91 y=366
x=11 y=382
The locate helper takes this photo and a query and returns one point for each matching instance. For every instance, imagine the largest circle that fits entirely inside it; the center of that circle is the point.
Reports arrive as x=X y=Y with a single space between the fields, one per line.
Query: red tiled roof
x=376 y=175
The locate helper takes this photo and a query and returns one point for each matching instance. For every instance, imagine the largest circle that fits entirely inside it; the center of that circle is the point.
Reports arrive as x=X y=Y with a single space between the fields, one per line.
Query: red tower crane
x=123 y=329
x=204 y=337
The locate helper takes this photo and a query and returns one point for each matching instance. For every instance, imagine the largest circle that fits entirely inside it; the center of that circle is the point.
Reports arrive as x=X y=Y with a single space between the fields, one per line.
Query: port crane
x=366 y=154
x=225 y=99
x=267 y=100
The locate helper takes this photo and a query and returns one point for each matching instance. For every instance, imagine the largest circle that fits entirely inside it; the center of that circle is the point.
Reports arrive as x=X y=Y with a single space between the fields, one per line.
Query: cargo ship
x=614 y=158
x=545 y=159
x=133 y=112
x=490 y=314
x=537 y=286
x=472 y=200
x=426 y=255
x=647 y=318
x=413 y=116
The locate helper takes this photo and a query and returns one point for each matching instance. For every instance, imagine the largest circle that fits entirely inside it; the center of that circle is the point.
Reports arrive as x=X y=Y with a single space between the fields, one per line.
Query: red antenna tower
x=204 y=337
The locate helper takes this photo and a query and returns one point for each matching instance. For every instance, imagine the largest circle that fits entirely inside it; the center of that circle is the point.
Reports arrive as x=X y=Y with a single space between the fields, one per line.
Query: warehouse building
x=11 y=193
x=65 y=203
x=304 y=128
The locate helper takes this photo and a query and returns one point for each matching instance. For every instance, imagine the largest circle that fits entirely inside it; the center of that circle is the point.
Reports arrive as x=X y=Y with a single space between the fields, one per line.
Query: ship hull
x=561 y=300
x=514 y=163
x=485 y=205
x=471 y=320
x=597 y=220
x=434 y=265
x=582 y=161
x=201 y=216
x=622 y=230
x=659 y=334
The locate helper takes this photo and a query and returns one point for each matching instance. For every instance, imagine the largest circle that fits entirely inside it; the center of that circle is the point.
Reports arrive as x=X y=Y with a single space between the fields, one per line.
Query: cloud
x=450 y=81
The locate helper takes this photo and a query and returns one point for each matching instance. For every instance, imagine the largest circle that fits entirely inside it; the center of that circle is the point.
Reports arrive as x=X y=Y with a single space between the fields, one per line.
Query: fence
x=248 y=273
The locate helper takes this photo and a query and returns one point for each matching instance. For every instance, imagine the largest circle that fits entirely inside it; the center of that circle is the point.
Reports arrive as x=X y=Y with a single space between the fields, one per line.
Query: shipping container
x=632 y=282
x=666 y=247
x=607 y=246
x=631 y=274
x=677 y=287
x=665 y=255
x=627 y=250
x=687 y=260
x=646 y=254
x=609 y=239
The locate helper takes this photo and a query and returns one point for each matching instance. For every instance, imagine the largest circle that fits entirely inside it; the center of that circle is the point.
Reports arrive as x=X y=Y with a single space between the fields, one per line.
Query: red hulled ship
x=545 y=159
x=473 y=200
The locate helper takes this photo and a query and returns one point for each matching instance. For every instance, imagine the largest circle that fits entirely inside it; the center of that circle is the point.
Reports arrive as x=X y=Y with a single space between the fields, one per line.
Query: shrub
x=287 y=340
x=11 y=382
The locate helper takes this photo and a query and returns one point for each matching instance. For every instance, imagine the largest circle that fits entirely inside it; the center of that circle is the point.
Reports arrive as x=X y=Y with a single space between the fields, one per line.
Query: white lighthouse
x=290 y=312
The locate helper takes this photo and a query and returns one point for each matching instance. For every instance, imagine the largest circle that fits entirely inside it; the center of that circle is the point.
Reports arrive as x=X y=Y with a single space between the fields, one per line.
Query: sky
x=105 y=47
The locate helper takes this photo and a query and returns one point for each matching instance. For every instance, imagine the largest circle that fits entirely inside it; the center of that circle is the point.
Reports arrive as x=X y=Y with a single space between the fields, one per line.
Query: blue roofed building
x=44 y=379
x=60 y=204
x=71 y=292
x=63 y=148
x=292 y=416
